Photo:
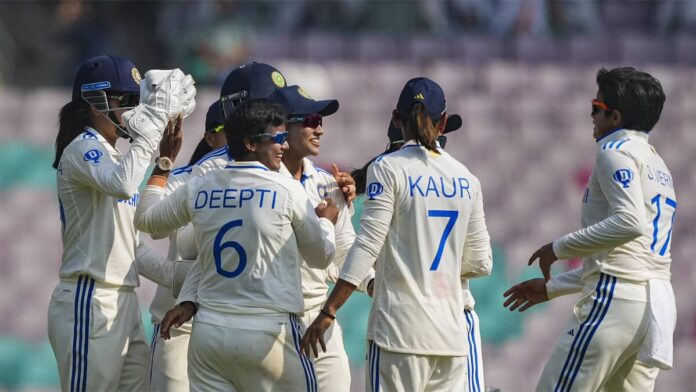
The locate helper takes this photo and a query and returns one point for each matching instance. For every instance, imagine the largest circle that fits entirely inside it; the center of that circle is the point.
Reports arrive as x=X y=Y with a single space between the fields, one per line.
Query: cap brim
x=325 y=108
x=454 y=122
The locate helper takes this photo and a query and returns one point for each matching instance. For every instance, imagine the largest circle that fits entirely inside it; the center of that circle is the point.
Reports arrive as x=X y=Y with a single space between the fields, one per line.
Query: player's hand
x=526 y=294
x=176 y=317
x=346 y=182
x=371 y=287
x=171 y=139
x=314 y=334
x=546 y=258
x=327 y=209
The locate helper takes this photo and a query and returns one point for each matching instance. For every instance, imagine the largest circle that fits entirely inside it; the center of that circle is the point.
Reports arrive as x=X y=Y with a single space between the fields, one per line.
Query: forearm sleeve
x=569 y=282
x=477 y=259
x=158 y=215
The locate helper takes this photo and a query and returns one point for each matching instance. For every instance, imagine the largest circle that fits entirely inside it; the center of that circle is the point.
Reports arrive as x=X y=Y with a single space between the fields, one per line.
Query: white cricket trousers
x=169 y=366
x=332 y=366
x=599 y=352
x=474 y=361
x=390 y=371
x=250 y=353
x=97 y=336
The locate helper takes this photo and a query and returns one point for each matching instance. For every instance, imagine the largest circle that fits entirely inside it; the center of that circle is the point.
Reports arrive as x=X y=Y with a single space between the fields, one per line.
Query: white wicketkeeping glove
x=187 y=96
x=162 y=89
x=159 y=102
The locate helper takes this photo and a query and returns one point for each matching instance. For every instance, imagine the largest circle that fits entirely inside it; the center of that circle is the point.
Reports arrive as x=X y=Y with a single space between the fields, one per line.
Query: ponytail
x=420 y=126
x=72 y=120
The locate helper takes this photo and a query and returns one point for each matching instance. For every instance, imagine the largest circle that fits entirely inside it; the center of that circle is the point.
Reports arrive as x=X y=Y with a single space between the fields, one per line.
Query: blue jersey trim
x=215 y=153
x=183 y=169
x=247 y=167
x=608 y=133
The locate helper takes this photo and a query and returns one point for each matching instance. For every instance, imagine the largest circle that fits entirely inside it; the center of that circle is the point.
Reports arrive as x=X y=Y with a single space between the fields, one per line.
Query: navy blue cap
x=425 y=91
x=112 y=74
x=214 y=116
x=259 y=80
x=297 y=102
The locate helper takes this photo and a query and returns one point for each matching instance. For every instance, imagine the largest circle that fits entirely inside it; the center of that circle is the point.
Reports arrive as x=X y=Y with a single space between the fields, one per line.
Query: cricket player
x=626 y=315
x=424 y=211
x=474 y=364
x=253 y=227
x=168 y=369
x=305 y=129
x=94 y=323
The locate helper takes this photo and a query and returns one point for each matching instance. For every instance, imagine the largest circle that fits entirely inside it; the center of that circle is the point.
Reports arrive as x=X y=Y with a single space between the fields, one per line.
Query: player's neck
x=293 y=164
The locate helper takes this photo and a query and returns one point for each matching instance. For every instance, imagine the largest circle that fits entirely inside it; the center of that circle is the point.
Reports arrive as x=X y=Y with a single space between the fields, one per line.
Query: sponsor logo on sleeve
x=374 y=189
x=322 y=191
x=93 y=156
x=623 y=177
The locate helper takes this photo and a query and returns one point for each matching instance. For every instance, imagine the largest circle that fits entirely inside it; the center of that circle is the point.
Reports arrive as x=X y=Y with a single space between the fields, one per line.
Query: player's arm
x=524 y=295
x=627 y=213
x=316 y=239
x=159 y=269
x=375 y=222
x=186 y=306
x=477 y=259
x=159 y=214
x=90 y=164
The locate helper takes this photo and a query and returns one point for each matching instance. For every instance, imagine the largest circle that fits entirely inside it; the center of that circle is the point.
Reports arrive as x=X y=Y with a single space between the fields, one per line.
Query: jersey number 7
x=452 y=215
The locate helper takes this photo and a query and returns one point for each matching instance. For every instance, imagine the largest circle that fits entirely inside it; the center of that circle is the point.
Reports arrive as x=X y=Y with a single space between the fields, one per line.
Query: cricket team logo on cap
x=136 y=75
x=303 y=93
x=278 y=79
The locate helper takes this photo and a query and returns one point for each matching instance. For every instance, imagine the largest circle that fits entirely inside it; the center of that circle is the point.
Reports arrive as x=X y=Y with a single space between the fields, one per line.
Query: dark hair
x=72 y=120
x=251 y=118
x=635 y=94
x=360 y=175
x=201 y=149
x=420 y=126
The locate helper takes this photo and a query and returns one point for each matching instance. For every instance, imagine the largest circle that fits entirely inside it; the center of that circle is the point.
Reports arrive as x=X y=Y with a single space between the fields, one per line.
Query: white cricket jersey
x=216 y=159
x=98 y=194
x=318 y=185
x=252 y=226
x=627 y=213
x=423 y=216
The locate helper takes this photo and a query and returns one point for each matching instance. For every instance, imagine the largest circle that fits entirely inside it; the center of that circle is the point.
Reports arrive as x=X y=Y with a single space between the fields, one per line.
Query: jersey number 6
x=219 y=246
x=452 y=215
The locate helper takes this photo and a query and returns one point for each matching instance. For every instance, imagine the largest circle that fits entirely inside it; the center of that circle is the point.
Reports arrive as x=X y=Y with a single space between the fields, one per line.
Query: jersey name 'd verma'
x=660 y=177
x=438 y=186
x=234 y=198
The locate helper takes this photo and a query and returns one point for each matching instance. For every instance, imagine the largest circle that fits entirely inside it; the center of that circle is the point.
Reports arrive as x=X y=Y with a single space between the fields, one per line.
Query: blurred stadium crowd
x=207 y=37
x=521 y=74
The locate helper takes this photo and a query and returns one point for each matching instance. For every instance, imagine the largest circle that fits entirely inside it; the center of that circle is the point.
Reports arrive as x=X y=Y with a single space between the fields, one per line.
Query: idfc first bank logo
x=623 y=176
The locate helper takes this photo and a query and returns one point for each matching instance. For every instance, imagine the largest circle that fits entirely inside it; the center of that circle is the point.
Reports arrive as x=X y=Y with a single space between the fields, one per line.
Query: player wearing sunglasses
x=305 y=129
x=254 y=226
x=622 y=334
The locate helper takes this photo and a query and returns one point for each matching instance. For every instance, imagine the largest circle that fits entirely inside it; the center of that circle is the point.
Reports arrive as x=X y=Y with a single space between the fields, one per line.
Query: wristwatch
x=164 y=163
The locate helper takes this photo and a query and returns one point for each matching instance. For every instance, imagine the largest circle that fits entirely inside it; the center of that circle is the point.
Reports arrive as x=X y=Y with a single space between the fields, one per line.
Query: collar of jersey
x=308 y=170
x=621 y=133
x=247 y=165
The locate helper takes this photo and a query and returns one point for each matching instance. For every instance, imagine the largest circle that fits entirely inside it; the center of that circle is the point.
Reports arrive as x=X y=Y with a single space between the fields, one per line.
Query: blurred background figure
x=520 y=72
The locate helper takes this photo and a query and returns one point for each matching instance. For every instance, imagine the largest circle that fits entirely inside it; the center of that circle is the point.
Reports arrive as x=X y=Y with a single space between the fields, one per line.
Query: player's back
x=245 y=217
x=634 y=177
x=419 y=292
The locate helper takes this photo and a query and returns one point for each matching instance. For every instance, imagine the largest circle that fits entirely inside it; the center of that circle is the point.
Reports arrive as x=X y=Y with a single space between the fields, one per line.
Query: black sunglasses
x=311 y=121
